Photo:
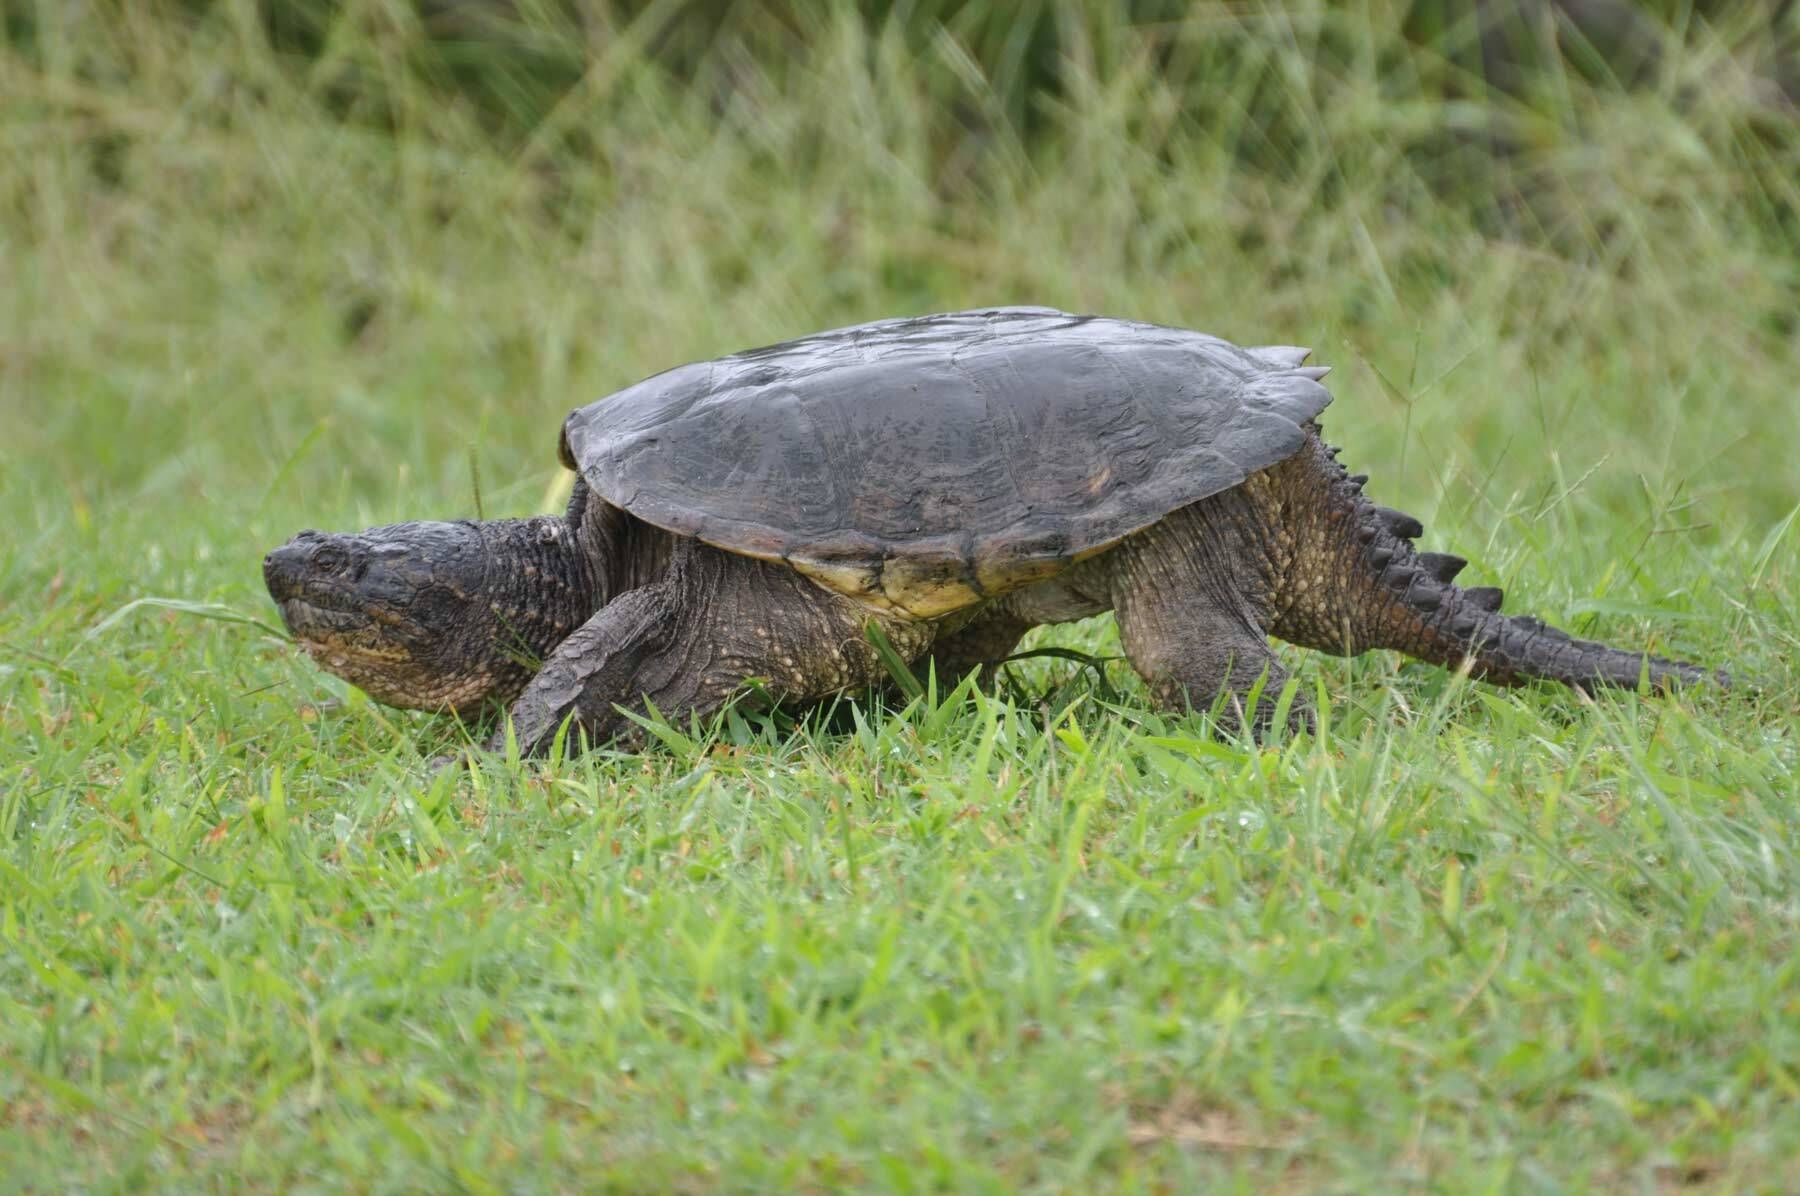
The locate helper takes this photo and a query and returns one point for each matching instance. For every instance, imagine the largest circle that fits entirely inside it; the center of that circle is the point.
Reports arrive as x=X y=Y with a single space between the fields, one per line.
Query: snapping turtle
x=955 y=479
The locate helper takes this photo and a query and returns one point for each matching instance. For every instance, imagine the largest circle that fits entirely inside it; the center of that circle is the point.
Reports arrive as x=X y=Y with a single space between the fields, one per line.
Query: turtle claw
x=448 y=761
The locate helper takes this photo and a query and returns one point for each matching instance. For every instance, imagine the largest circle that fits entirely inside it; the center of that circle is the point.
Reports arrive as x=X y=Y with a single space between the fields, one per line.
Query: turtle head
x=428 y=616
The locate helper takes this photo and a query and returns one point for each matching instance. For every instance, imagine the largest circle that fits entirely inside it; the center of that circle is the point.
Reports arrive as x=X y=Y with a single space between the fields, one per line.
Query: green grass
x=1464 y=939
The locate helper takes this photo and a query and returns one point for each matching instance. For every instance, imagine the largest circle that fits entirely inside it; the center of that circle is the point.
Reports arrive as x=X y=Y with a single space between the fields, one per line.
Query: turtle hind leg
x=1203 y=658
x=1191 y=619
x=690 y=641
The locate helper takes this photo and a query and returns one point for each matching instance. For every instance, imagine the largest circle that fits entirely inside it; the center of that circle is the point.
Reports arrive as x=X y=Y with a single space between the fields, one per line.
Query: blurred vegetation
x=1571 y=171
x=520 y=65
x=517 y=59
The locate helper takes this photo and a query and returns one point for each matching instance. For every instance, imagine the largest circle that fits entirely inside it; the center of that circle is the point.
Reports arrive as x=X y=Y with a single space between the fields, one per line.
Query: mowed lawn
x=1463 y=939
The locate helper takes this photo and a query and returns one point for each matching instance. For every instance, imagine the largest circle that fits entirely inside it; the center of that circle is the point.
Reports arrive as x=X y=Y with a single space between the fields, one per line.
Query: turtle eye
x=329 y=558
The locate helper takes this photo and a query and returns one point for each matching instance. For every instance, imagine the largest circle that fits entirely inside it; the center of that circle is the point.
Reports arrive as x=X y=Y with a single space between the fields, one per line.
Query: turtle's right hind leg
x=1191 y=615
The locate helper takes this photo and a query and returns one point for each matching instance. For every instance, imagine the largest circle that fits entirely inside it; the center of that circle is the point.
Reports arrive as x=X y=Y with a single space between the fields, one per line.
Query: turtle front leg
x=599 y=667
x=689 y=642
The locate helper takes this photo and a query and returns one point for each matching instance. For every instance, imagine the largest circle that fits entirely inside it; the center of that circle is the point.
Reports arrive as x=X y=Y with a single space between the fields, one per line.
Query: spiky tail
x=1440 y=622
x=1400 y=598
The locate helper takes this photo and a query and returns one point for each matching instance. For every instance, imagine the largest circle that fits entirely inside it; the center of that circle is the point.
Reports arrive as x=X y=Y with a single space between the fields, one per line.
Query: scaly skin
x=576 y=617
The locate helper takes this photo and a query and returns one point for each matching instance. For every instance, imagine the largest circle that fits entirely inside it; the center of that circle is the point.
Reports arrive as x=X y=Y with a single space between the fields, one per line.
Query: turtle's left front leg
x=690 y=641
x=595 y=668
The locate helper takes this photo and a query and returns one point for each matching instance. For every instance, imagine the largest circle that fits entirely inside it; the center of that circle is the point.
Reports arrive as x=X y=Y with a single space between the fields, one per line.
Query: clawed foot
x=448 y=761
x=1228 y=719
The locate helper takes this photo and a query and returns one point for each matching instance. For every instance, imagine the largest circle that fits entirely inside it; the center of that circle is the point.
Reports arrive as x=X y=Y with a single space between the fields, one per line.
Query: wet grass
x=1464 y=939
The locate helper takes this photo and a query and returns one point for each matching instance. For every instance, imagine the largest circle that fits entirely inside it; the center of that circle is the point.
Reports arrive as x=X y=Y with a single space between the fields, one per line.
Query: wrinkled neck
x=536 y=586
x=615 y=552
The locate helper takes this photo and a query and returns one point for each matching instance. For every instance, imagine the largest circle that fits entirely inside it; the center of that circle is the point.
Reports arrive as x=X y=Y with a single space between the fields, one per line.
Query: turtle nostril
x=278 y=573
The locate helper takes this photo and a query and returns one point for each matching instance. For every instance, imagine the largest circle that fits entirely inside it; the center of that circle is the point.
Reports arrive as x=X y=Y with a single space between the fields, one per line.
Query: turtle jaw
x=380 y=609
x=396 y=679
x=316 y=582
x=349 y=641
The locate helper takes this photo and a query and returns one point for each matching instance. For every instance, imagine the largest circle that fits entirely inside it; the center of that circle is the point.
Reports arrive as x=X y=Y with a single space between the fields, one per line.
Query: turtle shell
x=924 y=465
